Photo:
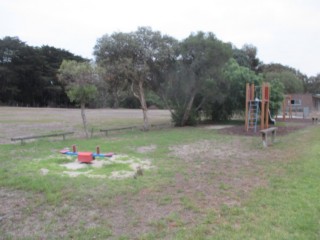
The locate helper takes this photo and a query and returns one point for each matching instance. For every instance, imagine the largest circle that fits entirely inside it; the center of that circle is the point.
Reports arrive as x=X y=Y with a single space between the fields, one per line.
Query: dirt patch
x=132 y=162
x=147 y=149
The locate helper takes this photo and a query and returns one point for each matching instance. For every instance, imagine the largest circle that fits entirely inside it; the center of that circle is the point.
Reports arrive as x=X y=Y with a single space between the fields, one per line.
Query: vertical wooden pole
x=262 y=115
x=252 y=92
x=247 y=110
x=267 y=115
x=284 y=108
x=264 y=118
x=266 y=96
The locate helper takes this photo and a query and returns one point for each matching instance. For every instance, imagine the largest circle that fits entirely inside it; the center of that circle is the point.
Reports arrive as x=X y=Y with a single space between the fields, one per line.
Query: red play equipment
x=85 y=157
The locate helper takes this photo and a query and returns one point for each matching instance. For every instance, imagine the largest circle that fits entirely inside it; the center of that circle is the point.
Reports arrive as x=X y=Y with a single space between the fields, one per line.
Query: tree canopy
x=197 y=76
x=28 y=75
x=134 y=60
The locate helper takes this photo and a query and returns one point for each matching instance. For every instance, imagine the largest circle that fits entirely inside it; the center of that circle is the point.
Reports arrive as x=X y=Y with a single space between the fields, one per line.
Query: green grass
x=288 y=207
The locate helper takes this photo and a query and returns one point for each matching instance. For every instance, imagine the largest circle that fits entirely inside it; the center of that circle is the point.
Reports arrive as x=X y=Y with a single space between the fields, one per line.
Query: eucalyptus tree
x=226 y=95
x=292 y=79
x=79 y=78
x=200 y=60
x=135 y=60
x=292 y=84
x=313 y=84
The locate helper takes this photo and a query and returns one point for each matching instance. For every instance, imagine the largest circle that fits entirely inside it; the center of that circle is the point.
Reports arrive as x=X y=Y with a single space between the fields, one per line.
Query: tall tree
x=313 y=84
x=137 y=57
x=286 y=73
x=291 y=83
x=10 y=53
x=28 y=75
x=228 y=96
x=201 y=58
x=247 y=57
x=79 y=78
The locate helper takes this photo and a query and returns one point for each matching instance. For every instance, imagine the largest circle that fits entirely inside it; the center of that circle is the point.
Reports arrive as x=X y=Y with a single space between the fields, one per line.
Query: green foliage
x=247 y=57
x=82 y=94
x=154 y=100
x=291 y=83
x=219 y=111
x=276 y=96
x=178 y=114
x=135 y=61
x=79 y=78
x=200 y=59
x=28 y=75
x=292 y=80
x=134 y=58
x=313 y=84
x=227 y=94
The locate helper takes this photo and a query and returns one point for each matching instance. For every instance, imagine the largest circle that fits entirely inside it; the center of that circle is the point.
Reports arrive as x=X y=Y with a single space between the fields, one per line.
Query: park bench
x=22 y=139
x=264 y=134
x=106 y=131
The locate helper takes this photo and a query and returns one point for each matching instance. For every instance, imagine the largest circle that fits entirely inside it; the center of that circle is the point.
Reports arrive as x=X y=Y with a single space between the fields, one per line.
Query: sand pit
x=128 y=162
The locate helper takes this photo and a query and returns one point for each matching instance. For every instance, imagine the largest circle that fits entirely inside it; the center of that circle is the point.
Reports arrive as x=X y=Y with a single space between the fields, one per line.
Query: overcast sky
x=284 y=31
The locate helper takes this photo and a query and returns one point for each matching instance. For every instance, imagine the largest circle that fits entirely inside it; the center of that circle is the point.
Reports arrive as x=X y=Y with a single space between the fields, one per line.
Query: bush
x=219 y=111
x=178 y=115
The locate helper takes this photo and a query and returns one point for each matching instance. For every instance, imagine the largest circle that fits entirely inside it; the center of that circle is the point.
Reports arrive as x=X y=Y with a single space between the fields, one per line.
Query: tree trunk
x=187 y=112
x=145 y=116
x=84 y=120
x=116 y=102
x=144 y=107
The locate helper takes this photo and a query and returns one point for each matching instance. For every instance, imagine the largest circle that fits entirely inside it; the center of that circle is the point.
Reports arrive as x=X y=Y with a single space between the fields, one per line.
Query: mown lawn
x=202 y=185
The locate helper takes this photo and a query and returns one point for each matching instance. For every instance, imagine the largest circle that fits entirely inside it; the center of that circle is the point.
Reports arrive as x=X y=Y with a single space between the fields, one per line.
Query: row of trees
x=198 y=75
x=28 y=75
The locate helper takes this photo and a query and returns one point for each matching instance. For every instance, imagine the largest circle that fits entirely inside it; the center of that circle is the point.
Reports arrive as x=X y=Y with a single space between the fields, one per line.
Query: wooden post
x=247 y=99
x=262 y=114
x=264 y=118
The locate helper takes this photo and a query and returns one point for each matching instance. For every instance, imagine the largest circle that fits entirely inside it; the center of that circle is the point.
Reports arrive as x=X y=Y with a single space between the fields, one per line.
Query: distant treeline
x=29 y=77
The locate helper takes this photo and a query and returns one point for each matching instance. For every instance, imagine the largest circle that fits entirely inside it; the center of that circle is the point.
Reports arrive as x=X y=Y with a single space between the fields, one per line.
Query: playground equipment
x=85 y=157
x=287 y=107
x=293 y=107
x=256 y=105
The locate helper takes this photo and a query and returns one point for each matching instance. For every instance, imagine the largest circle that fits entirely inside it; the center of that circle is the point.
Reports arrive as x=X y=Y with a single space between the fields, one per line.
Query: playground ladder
x=253 y=115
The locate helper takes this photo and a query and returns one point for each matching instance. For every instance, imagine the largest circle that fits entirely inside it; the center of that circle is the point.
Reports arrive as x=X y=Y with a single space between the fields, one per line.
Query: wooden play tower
x=257 y=106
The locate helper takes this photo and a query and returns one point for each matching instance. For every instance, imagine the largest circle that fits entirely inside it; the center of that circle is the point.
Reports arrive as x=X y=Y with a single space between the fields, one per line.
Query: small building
x=316 y=102
x=305 y=103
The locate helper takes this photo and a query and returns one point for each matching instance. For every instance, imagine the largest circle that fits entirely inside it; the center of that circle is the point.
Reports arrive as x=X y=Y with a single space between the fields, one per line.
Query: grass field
x=197 y=183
